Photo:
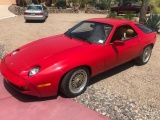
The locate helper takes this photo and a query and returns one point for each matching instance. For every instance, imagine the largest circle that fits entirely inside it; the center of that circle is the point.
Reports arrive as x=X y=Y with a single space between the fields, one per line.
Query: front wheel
x=75 y=82
x=145 y=55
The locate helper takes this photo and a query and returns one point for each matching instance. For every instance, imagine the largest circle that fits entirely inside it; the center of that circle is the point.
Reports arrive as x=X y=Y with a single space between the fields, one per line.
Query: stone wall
x=20 y=10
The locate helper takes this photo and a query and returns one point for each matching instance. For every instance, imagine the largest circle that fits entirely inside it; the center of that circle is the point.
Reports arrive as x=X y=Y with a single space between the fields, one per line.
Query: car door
x=129 y=45
x=110 y=56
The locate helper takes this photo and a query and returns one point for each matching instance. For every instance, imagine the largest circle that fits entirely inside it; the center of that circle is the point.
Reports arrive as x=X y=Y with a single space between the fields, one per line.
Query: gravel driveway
x=127 y=92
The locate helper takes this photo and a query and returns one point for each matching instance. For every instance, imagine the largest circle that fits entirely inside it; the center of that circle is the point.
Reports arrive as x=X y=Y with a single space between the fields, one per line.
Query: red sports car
x=66 y=62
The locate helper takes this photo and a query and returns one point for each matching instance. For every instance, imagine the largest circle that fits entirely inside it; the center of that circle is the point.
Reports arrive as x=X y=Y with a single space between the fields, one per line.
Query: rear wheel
x=145 y=55
x=26 y=21
x=75 y=82
x=44 y=19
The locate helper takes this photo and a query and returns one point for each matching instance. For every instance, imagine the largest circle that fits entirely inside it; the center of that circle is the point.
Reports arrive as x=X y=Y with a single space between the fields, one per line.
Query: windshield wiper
x=69 y=35
x=81 y=38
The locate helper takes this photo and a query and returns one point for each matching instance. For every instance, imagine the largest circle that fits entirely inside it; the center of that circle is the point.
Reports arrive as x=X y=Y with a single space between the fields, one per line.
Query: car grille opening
x=19 y=88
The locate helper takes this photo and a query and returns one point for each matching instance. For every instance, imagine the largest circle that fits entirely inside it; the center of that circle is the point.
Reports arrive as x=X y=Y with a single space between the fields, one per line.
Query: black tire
x=75 y=82
x=44 y=20
x=26 y=21
x=144 y=56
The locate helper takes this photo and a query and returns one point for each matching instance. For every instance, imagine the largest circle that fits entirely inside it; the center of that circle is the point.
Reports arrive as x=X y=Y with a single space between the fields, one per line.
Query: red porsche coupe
x=66 y=62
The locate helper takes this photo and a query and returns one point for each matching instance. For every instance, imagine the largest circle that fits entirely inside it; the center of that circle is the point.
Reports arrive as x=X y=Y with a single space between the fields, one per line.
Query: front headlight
x=34 y=71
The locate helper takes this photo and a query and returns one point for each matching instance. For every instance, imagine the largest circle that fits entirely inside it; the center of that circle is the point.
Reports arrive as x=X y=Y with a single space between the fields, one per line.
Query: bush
x=156 y=5
x=21 y=2
x=61 y=3
x=153 y=21
x=103 y=5
x=112 y=15
x=82 y=6
x=28 y=2
x=129 y=16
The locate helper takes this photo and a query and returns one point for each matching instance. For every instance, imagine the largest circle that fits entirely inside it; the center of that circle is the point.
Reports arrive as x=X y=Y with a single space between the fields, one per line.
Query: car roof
x=111 y=21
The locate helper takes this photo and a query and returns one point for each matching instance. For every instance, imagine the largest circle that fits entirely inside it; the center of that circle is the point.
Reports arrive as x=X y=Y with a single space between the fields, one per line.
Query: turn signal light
x=44 y=85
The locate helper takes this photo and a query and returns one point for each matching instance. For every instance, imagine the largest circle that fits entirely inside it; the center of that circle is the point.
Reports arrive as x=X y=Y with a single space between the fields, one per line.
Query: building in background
x=7 y=2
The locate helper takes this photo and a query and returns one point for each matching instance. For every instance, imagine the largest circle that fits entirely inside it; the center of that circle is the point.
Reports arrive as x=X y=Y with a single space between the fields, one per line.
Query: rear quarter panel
x=145 y=38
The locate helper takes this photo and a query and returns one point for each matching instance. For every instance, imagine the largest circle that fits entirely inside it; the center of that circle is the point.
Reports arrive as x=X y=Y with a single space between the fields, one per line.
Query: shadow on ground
x=111 y=72
x=34 y=21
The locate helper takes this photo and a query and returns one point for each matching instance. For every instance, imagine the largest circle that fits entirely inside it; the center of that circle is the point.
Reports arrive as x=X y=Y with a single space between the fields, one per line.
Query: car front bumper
x=17 y=82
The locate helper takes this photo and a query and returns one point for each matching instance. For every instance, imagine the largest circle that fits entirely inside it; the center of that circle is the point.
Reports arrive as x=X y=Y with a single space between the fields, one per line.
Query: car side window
x=124 y=32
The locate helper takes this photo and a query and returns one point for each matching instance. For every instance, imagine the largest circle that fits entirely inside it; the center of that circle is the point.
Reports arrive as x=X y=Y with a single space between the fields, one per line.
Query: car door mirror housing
x=118 y=42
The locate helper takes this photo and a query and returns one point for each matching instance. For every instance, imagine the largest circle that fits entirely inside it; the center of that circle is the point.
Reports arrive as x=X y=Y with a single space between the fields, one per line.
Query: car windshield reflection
x=92 y=32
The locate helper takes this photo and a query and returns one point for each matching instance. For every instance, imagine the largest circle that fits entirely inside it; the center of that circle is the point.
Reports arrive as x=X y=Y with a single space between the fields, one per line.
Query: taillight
x=39 y=14
x=25 y=13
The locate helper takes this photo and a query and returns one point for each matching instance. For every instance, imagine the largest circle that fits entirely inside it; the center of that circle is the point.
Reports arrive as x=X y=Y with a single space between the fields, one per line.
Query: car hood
x=29 y=55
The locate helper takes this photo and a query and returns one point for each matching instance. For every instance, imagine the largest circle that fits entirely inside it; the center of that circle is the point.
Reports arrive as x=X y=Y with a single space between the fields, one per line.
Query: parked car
x=128 y=7
x=66 y=62
x=36 y=12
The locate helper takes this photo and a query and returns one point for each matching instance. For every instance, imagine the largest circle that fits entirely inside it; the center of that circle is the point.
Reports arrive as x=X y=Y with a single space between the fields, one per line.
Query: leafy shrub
x=21 y=2
x=82 y=6
x=28 y=2
x=103 y=4
x=61 y=3
x=129 y=16
x=153 y=21
x=156 y=5
x=113 y=15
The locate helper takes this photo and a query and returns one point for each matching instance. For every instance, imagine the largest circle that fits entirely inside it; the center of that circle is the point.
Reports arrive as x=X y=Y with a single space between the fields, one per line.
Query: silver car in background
x=36 y=12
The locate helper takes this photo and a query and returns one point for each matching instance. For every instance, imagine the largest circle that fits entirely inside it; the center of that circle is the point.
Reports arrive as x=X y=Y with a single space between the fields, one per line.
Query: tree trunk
x=144 y=7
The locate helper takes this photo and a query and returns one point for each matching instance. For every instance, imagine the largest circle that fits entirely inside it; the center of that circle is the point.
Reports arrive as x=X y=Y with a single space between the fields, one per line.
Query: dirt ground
x=140 y=83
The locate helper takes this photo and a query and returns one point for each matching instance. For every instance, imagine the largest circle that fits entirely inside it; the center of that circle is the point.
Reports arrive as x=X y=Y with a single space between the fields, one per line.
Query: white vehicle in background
x=36 y=12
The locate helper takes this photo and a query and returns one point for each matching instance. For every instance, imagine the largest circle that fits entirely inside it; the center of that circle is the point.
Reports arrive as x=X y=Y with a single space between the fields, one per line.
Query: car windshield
x=34 y=8
x=91 y=32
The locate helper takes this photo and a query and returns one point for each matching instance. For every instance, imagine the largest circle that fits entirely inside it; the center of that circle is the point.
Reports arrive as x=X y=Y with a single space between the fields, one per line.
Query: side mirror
x=118 y=42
